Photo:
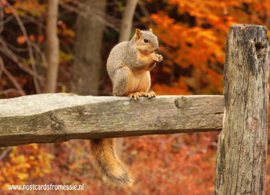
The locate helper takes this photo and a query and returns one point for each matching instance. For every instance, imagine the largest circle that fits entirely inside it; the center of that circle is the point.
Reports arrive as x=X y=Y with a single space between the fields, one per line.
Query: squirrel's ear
x=150 y=30
x=138 y=33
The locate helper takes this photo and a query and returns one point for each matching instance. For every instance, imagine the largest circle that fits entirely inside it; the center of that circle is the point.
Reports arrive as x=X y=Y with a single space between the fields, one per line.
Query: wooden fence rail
x=49 y=118
x=242 y=113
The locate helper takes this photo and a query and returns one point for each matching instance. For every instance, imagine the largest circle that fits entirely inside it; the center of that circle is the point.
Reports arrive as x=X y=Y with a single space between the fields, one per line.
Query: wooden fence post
x=242 y=144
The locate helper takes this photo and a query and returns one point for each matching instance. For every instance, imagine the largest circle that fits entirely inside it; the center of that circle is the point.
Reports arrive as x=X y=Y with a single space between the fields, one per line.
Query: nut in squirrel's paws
x=156 y=57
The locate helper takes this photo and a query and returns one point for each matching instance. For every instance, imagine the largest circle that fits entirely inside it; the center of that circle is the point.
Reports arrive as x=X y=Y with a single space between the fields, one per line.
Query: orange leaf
x=40 y=38
x=21 y=40
x=8 y=11
x=32 y=37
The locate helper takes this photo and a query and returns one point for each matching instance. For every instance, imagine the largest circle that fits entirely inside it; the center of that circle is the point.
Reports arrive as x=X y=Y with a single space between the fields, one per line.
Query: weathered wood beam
x=50 y=118
x=242 y=144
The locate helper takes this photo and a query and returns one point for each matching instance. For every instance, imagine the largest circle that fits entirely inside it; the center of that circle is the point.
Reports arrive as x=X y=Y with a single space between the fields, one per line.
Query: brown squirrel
x=129 y=66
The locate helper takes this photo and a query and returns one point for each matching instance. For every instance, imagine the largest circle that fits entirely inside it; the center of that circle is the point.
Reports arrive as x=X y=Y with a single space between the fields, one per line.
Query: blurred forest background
x=62 y=46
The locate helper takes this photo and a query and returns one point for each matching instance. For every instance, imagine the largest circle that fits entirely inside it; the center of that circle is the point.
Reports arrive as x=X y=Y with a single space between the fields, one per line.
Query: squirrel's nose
x=156 y=49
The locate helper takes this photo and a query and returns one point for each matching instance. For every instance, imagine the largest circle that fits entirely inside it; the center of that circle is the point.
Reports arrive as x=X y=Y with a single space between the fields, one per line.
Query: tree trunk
x=126 y=24
x=87 y=49
x=242 y=144
x=52 y=44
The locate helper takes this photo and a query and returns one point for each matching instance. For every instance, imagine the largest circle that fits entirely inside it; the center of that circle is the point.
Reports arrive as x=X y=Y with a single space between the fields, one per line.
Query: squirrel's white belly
x=138 y=82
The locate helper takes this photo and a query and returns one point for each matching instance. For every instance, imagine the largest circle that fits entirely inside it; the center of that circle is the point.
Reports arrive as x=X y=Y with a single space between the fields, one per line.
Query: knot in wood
x=56 y=124
x=181 y=102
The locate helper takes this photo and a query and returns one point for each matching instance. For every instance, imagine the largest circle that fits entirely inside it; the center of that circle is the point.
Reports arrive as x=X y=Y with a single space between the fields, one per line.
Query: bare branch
x=19 y=50
x=1 y=17
x=40 y=52
x=145 y=11
x=32 y=19
x=1 y=73
x=8 y=19
x=13 y=80
x=5 y=50
x=14 y=12
x=5 y=152
x=5 y=92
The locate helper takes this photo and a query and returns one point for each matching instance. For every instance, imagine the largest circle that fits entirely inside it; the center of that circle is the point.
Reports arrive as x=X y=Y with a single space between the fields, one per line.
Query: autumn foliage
x=194 y=40
x=192 y=37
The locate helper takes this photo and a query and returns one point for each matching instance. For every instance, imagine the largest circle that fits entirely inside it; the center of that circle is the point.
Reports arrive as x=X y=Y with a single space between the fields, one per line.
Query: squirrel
x=128 y=65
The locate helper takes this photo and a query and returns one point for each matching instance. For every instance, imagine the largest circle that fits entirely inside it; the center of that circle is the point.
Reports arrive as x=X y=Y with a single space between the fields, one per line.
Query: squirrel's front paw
x=156 y=57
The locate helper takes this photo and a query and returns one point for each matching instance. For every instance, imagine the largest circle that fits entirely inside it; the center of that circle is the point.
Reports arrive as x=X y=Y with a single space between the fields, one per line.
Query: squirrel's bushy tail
x=108 y=162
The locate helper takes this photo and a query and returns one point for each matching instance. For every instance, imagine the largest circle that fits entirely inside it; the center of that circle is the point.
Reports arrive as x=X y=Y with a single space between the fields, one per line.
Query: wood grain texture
x=242 y=144
x=47 y=118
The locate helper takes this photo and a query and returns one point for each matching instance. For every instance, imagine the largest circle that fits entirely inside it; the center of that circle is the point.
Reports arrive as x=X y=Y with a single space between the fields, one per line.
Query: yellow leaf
x=35 y=146
x=22 y=176
x=24 y=165
x=31 y=157
x=50 y=156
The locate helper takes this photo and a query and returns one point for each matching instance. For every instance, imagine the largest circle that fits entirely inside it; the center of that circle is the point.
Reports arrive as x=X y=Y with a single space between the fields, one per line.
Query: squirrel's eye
x=146 y=40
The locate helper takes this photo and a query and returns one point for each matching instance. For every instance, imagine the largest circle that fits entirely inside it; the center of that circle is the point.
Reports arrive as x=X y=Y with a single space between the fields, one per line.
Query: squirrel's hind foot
x=149 y=95
x=134 y=96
